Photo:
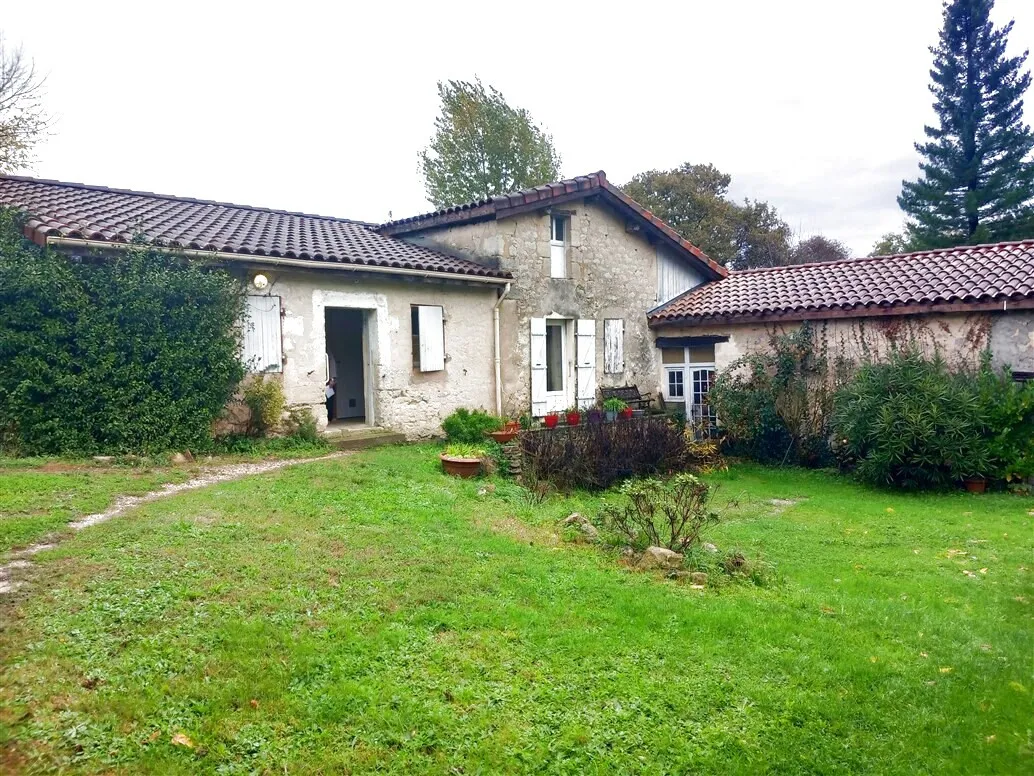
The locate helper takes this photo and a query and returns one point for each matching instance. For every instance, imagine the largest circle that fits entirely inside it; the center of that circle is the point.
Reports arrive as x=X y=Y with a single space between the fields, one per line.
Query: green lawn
x=36 y=500
x=371 y=615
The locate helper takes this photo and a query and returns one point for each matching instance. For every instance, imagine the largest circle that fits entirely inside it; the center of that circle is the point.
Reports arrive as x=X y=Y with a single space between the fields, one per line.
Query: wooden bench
x=629 y=394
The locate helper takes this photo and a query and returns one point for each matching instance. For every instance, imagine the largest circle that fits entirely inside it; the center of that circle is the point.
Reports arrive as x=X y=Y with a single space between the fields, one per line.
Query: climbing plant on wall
x=132 y=351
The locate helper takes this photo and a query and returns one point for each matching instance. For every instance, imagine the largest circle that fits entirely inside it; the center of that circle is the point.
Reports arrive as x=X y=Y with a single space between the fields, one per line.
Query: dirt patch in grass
x=517 y=529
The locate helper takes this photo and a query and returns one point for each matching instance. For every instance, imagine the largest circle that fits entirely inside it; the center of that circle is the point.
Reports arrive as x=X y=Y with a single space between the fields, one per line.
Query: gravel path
x=14 y=571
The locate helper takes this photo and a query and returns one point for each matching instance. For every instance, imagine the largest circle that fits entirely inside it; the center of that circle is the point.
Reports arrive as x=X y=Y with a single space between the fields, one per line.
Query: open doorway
x=346 y=363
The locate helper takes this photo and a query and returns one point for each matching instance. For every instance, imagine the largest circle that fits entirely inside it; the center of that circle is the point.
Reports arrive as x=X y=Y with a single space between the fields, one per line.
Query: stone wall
x=401 y=398
x=613 y=274
x=957 y=337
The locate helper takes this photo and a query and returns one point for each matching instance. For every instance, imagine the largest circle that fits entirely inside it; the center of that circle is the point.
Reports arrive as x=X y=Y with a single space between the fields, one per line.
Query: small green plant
x=466 y=450
x=670 y=513
x=614 y=404
x=470 y=426
x=264 y=397
x=526 y=421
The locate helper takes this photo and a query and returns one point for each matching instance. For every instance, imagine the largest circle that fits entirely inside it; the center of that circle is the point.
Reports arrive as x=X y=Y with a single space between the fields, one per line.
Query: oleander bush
x=913 y=422
x=133 y=351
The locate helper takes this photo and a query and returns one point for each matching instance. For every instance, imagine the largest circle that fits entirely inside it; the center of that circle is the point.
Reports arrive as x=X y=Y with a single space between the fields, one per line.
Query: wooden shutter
x=262 y=343
x=432 y=338
x=585 y=363
x=614 y=346
x=538 y=367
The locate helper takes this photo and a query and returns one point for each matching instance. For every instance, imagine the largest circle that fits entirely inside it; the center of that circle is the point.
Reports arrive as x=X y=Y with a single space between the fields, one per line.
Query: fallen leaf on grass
x=990 y=739
x=873 y=659
x=923 y=654
x=968 y=573
x=153 y=737
x=983 y=571
x=254 y=703
x=181 y=739
x=945 y=669
x=1017 y=686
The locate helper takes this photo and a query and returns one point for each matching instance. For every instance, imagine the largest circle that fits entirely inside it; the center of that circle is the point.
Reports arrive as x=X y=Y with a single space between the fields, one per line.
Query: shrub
x=301 y=424
x=470 y=426
x=595 y=456
x=264 y=398
x=668 y=513
x=910 y=422
x=776 y=406
x=135 y=351
x=1008 y=410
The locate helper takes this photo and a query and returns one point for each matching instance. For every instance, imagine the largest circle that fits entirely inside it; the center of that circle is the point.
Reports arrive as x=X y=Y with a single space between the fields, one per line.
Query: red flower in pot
x=574 y=416
x=551 y=420
x=626 y=413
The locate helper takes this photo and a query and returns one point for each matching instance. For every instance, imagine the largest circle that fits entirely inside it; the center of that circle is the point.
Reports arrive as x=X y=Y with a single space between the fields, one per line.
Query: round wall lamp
x=260 y=281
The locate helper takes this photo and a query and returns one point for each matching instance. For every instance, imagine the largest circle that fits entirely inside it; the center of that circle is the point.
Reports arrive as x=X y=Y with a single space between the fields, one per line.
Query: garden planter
x=975 y=484
x=574 y=418
x=594 y=417
x=512 y=425
x=626 y=413
x=461 y=467
x=551 y=421
x=502 y=437
x=612 y=415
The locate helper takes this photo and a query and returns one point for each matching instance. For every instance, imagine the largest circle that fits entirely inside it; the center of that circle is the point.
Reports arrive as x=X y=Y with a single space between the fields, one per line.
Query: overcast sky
x=811 y=105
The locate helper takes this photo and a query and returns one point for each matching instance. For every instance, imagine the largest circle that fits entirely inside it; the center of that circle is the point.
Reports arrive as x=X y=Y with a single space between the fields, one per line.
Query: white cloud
x=812 y=105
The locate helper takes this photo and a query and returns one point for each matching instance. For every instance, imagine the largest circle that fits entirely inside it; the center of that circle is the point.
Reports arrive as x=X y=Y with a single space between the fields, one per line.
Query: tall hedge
x=133 y=351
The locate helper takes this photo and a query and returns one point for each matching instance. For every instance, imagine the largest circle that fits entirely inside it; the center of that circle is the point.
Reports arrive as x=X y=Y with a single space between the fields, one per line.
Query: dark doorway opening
x=346 y=362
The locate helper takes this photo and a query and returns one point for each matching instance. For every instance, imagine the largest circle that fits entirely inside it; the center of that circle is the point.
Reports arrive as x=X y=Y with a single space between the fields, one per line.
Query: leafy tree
x=693 y=199
x=818 y=249
x=890 y=244
x=482 y=146
x=23 y=121
x=977 y=182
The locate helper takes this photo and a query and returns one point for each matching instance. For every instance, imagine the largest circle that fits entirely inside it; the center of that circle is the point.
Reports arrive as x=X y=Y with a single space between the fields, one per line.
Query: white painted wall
x=674 y=275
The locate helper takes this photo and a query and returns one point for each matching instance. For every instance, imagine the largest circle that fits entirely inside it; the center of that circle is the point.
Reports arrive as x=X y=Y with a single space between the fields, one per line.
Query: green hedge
x=136 y=351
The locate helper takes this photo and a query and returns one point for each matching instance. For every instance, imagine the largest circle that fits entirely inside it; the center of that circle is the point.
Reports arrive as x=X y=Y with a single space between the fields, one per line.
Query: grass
x=371 y=615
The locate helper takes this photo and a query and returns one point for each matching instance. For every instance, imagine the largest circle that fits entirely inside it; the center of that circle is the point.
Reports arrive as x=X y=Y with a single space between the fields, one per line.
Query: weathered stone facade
x=956 y=337
x=400 y=397
x=613 y=273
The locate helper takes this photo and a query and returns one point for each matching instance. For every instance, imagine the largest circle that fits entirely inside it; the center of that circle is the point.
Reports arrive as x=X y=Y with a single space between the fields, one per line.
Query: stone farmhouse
x=531 y=301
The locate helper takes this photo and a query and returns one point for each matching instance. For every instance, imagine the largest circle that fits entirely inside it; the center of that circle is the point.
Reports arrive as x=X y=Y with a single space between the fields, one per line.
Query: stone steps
x=362 y=437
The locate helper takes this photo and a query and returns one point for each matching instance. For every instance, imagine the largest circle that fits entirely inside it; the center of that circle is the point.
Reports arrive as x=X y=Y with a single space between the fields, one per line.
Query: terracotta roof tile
x=502 y=205
x=75 y=210
x=981 y=274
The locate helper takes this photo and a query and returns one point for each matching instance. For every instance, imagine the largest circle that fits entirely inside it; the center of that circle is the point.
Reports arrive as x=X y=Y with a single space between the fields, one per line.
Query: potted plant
x=574 y=415
x=551 y=419
x=594 y=416
x=612 y=407
x=462 y=460
x=625 y=412
x=509 y=431
x=975 y=484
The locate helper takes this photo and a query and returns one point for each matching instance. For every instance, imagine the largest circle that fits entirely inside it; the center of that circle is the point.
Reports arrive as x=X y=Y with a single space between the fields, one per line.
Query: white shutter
x=538 y=367
x=557 y=260
x=614 y=346
x=431 y=320
x=585 y=365
x=262 y=344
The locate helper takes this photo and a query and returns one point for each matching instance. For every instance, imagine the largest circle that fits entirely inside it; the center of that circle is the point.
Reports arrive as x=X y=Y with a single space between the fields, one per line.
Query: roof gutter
x=250 y=258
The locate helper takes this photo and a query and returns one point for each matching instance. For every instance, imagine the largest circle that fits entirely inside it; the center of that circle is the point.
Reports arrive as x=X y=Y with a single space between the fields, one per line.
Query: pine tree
x=977 y=182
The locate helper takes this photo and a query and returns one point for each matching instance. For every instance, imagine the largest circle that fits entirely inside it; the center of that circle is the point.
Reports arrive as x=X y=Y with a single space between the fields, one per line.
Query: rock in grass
x=660 y=557
x=698 y=578
x=577 y=520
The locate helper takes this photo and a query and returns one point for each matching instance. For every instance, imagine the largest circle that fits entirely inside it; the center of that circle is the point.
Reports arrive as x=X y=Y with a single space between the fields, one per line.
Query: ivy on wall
x=133 y=351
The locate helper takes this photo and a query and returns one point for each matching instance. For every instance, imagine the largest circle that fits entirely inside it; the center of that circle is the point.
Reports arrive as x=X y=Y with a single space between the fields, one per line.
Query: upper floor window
x=559 y=226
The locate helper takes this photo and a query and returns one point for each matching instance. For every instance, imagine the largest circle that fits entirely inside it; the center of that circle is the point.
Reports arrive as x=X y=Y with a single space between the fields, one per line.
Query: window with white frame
x=676 y=390
x=559 y=226
x=688 y=377
x=428 y=333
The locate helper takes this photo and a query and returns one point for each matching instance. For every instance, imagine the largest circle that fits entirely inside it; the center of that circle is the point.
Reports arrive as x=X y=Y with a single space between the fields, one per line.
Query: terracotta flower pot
x=512 y=425
x=551 y=421
x=574 y=418
x=502 y=437
x=461 y=467
x=975 y=484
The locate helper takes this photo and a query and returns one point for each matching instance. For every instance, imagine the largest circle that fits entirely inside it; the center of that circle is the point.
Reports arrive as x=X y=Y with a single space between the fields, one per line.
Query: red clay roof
x=966 y=278
x=74 y=210
x=503 y=205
